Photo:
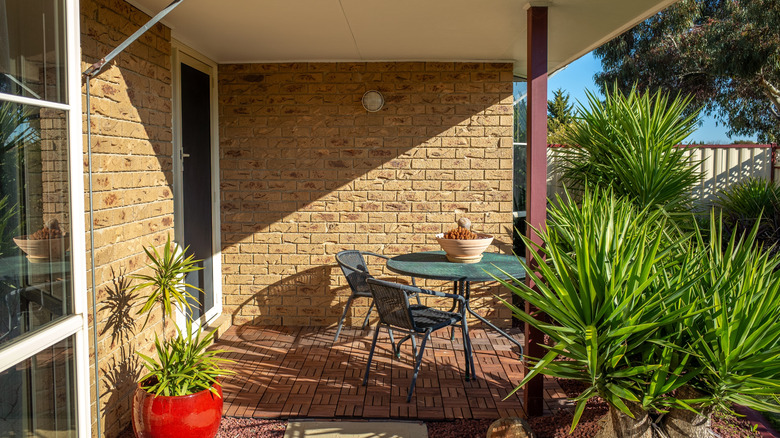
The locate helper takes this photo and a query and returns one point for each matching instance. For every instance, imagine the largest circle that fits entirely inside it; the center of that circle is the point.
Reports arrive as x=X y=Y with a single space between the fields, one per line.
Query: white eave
x=244 y=31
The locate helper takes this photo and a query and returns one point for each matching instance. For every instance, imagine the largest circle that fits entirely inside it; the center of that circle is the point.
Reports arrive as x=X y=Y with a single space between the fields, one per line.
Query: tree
x=560 y=115
x=724 y=53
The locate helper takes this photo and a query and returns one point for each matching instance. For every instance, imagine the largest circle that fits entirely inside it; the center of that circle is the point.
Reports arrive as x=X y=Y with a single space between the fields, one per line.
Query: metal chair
x=392 y=303
x=354 y=267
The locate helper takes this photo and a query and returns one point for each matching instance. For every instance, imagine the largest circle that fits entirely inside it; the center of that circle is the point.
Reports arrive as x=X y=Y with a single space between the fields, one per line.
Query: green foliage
x=7 y=228
x=166 y=283
x=628 y=143
x=184 y=365
x=15 y=128
x=520 y=112
x=560 y=116
x=725 y=54
x=737 y=338
x=752 y=202
x=616 y=289
x=749 y=201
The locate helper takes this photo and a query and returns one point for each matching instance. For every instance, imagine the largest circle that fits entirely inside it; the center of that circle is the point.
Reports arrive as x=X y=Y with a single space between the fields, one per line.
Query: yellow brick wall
x=307 y=172
x=131 y=126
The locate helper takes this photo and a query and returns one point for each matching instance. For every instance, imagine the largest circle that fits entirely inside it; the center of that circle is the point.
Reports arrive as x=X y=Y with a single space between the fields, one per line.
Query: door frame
x=183 y=53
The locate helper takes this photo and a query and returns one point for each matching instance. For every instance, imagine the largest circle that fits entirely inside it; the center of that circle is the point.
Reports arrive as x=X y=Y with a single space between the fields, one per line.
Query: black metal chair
x=354 y=267
x=392 y=303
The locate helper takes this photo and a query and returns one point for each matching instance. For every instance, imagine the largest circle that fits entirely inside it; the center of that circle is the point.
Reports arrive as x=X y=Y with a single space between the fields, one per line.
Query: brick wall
x=307 y=172
x=131 y=125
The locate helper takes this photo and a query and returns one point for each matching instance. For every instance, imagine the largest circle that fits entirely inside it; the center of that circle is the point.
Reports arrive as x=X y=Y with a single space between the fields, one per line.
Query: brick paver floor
x=293 y=372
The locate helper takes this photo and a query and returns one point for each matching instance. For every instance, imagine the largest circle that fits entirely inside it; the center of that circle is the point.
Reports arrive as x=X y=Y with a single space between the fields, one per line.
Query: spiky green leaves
x=628 y=143
x=615 y=285
x=184 y=365
x=165 y=284
x=737 y=339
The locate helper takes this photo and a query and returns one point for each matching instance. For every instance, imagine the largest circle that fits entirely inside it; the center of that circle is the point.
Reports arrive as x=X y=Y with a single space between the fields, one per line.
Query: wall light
x=373 y=101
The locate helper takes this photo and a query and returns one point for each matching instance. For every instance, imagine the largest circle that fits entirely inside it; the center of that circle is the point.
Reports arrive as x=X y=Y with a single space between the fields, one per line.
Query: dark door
x=196 y=181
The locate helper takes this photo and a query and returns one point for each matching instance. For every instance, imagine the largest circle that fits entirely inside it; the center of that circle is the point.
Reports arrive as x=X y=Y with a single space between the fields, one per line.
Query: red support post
x=536 y=200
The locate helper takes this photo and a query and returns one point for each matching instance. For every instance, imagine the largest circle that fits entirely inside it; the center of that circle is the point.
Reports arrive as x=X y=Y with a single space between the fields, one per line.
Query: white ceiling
x=239 y=31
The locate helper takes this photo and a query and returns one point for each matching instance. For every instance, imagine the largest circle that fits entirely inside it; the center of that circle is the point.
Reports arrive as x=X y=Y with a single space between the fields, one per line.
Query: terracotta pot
x=192 y=416
x=42 y=250
x=465 y=251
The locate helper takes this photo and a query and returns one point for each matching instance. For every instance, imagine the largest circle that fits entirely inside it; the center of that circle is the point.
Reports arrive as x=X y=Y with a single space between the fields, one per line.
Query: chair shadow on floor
x=290 y=372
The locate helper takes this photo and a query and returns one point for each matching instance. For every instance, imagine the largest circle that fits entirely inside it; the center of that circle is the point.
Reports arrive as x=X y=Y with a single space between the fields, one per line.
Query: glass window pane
x=32 y=49
x=39 y=395
x=34 y=221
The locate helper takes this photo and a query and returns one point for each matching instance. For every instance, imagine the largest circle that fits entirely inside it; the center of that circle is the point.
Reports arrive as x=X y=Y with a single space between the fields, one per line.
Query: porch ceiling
x=242 y=31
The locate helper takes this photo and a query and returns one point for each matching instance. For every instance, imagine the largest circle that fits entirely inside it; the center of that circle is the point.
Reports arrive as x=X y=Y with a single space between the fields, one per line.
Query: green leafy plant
x=737 y=338
x=184 y=365
x=628 y=143
x=754 y=201
x=166 y=282
x=617 y=290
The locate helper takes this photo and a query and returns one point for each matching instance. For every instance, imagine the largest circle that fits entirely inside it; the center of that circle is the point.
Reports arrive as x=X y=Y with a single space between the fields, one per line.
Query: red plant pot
x=192 y=416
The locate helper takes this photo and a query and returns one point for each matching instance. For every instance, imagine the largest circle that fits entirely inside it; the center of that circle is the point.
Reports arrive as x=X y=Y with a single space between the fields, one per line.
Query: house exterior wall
x=131 y=141
x=307 y=172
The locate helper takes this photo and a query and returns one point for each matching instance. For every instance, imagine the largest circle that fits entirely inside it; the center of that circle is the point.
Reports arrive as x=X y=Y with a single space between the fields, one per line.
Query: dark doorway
x=196 y=182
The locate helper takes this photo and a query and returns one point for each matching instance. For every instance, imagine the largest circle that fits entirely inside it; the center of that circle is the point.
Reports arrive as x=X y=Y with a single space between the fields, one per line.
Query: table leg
x=463 y=291
x=467 y=294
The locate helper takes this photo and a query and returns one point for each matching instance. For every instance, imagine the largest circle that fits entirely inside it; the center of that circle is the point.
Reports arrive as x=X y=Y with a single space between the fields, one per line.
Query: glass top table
x=433 y=265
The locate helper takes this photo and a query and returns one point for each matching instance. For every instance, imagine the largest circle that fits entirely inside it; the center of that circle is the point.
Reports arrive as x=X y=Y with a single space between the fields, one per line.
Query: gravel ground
x=554 y=426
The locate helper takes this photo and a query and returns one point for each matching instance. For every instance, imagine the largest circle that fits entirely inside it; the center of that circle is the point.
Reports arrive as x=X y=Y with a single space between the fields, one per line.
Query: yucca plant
x=737 y=338
x=166 y=284
x=183 y=365
x=616 y=289
x=628 y=143
x=754 y=201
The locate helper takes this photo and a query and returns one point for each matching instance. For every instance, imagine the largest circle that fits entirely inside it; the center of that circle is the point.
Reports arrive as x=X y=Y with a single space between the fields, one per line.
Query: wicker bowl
x=464 y=251
x=42 y=250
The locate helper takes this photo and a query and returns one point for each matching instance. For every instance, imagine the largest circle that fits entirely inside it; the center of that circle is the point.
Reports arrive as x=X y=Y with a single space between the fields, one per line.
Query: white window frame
x=183 y=53
x=76 y=324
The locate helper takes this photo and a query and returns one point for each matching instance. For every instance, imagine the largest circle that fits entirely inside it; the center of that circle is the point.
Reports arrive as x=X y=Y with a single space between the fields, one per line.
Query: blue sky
x=578 y=77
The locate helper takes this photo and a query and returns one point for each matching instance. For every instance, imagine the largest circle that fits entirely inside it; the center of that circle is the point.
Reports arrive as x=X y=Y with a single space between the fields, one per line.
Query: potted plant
x=180 y=395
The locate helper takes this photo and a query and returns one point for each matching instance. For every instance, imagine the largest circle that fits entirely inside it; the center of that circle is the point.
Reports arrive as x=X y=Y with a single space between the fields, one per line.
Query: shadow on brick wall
x=306 y=172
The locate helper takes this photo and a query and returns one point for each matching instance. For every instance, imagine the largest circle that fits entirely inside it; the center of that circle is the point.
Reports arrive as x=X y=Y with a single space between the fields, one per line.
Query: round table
x=433 y=265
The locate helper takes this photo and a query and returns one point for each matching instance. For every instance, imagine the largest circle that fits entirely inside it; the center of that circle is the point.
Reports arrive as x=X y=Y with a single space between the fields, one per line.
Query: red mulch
x=554 y=426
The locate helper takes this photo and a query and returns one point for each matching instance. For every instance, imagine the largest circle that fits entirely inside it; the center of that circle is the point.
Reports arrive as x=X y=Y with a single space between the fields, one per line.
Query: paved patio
x=289 y=372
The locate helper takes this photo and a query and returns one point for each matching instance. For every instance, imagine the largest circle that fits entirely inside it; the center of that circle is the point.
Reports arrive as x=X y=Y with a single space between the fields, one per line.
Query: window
x=43 y=341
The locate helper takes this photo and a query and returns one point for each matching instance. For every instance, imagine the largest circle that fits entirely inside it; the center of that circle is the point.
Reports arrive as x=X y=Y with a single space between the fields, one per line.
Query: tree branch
x=773 y=93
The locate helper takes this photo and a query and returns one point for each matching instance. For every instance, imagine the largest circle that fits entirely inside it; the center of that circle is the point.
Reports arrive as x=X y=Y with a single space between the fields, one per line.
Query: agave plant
x=617 y=290
x=184 y=365
x=628 y=143
x=166 y=282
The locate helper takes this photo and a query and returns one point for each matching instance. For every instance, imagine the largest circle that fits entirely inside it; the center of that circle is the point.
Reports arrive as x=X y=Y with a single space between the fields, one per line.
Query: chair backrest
x=392 y=303
x=353 y=265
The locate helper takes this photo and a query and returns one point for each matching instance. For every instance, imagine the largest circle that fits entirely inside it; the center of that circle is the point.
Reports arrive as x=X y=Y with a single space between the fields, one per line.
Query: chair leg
x=371 y=354
x=343 y=316
x=368 y=315
x=414 y=345
x=417 y=365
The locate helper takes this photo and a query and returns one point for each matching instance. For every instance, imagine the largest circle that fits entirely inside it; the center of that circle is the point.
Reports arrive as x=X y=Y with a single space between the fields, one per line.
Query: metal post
x=536 y=204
